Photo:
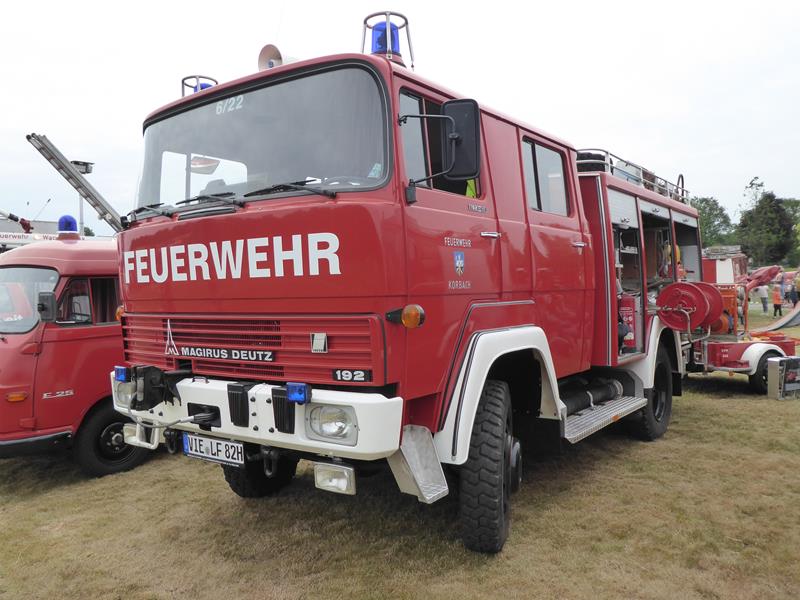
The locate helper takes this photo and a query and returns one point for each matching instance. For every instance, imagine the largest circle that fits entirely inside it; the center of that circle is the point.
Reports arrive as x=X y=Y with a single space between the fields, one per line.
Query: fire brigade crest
x=458 y=259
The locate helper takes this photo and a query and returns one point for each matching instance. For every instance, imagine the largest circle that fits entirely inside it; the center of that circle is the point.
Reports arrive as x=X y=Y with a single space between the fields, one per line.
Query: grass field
x=710 y=511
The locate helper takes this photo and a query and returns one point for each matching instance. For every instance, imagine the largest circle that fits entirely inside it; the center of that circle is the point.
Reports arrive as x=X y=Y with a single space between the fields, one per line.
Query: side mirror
x=461 y=148
x=46 y=305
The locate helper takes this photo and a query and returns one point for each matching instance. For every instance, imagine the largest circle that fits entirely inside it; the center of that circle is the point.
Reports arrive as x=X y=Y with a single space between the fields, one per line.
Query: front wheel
x=492 y=472
x=651 y=422
x=100 y=448
x=758 y=380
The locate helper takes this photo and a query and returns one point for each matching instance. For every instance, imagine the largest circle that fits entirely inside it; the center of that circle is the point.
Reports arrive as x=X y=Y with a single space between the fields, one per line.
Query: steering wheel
x=351 y=179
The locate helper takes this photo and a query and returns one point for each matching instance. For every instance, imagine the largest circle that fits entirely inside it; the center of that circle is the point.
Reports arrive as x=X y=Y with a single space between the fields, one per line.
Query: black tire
x=487 y=478
x=758 y=380
x=651 y=422
x=250 y=481
x=99 y=448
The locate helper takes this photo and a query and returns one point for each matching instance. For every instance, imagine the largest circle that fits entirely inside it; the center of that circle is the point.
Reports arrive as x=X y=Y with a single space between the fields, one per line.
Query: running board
x=591 y=420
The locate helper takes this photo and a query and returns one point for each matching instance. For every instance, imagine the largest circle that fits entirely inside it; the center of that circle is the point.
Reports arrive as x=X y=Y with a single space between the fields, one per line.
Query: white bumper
x=379 y=418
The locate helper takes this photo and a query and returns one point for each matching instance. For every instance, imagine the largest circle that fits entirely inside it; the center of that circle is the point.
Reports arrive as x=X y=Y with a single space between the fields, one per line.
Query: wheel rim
x=660 y=391
x=111 y=446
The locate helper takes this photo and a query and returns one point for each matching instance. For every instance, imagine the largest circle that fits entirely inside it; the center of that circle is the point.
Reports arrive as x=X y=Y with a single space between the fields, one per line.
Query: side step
x=591 y=420
x=416 y=466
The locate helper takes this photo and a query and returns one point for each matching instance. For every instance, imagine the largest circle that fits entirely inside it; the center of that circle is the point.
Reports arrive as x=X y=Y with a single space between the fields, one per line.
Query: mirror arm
x=454 y=137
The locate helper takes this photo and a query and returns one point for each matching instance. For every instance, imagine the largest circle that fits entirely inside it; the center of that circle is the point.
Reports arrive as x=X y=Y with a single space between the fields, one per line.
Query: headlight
x=124 y=393
x=332 y=423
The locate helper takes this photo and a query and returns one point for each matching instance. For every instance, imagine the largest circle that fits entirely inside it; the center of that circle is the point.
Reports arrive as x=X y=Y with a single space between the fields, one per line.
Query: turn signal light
x=120 y=310
x=17 y=396
x=412 y=316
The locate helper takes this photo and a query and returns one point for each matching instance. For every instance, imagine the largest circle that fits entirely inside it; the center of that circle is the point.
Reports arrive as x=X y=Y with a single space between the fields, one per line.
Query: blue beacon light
x=379 y=39
x=67 y=224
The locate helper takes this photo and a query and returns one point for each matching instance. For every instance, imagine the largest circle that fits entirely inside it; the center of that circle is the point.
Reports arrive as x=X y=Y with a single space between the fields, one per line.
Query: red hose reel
x=687 y=306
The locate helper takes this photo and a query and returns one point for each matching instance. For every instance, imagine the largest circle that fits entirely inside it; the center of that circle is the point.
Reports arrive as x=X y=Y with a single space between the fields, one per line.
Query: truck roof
x=378 y=61
x=68 y=257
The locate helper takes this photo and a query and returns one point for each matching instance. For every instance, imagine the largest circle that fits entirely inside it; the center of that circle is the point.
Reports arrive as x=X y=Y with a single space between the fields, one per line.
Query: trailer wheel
x=758 y=380
x=250 y=481
x=651 y=422
x=99 y=448
x=492 y=472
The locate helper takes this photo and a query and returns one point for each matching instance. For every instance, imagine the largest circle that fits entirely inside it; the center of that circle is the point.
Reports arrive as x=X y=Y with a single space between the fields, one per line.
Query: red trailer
x=54 y=388
x=338 y=260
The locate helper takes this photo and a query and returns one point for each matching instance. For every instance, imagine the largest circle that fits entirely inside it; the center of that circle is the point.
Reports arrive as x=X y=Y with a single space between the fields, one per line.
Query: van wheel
x=250 y=481
x=651 y=422
x=492 y=472
x=758 y=380
x=99 y=448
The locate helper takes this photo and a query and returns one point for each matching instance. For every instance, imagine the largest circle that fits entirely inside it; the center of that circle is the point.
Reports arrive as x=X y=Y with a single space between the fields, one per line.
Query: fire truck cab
x=341 y=261
x=54 y=365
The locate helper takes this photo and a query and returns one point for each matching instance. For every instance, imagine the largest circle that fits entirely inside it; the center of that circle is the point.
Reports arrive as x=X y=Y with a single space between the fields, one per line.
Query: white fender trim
x=485 y=347
x=754 y=353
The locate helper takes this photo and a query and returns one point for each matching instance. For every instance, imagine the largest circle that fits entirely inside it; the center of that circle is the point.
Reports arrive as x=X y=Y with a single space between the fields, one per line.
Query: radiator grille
x=354 y=342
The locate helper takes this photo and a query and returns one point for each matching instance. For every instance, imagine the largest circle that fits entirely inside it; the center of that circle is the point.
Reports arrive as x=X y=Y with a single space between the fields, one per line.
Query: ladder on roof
x=68 y=171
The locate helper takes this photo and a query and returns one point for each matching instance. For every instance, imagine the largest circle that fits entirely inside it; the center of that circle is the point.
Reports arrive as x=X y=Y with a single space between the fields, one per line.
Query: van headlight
x=332 y=423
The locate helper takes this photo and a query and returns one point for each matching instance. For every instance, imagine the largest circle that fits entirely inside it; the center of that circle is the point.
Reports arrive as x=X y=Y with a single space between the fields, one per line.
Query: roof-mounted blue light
x=379 y=45
x=67 y=224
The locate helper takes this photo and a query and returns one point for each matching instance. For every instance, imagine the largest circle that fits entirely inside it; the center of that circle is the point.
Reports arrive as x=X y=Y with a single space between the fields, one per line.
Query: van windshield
x=325 y=130
x=19 y=290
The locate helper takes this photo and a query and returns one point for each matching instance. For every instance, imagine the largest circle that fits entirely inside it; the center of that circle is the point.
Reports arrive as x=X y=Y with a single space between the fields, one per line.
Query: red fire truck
x=338 y=260
x=54 y=387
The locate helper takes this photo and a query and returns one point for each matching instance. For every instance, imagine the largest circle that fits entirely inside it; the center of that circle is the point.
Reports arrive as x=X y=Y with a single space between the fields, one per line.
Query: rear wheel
x=492 y=472
x=250 y=481
x=758 y=380
x=100 y=447
x=651 y=422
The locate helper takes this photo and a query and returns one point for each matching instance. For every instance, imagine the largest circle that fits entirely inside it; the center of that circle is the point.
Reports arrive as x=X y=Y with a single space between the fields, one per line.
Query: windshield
x=19 y=290
x=326 y=129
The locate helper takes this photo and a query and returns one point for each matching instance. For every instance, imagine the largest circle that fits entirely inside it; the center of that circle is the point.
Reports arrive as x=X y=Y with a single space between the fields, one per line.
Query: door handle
x=490 y=234
x=579 y=244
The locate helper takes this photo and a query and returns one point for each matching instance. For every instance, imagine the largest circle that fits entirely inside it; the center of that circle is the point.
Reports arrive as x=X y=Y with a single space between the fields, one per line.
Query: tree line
x=768 y=229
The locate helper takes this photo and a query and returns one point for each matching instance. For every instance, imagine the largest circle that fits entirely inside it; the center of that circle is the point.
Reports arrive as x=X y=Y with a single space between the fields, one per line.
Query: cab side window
x=545 y=183
x=105 y=299
x=75 y=306
x=422 y=148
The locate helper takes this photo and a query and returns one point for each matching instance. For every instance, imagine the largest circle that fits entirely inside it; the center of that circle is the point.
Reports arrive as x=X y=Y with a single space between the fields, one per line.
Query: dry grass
x=710 y=511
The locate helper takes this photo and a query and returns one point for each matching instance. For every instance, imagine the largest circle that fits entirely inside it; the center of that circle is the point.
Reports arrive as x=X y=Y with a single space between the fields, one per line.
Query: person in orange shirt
x=777 y=301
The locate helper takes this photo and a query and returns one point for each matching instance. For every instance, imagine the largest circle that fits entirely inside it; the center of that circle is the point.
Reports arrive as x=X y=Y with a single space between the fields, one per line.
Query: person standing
x=763 y=294
x=777 y=301
x=793 y=294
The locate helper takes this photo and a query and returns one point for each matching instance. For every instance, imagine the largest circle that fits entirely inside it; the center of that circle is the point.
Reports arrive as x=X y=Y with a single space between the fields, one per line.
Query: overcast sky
x=707 y=89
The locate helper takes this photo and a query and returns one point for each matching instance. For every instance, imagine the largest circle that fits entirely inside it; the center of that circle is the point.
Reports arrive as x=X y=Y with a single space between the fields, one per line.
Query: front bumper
x=379 y=418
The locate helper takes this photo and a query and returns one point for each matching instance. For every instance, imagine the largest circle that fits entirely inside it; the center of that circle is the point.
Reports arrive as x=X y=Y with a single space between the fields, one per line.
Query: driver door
x=78 y=352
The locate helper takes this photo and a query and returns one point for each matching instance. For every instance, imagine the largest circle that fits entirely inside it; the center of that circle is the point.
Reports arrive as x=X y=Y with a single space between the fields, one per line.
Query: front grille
x=211 y=344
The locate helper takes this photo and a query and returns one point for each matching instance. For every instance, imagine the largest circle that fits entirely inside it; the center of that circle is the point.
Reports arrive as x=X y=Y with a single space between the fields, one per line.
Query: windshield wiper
x=292 y=185
x=222 y=197
x=152 y=208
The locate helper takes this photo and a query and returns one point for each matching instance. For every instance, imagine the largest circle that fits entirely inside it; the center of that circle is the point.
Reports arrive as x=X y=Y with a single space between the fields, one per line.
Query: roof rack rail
x=596 y=159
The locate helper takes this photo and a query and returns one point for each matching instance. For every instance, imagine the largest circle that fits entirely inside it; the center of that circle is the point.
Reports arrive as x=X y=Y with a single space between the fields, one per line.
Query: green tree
x=715 y=224
x=87 y=231
x=766 y=230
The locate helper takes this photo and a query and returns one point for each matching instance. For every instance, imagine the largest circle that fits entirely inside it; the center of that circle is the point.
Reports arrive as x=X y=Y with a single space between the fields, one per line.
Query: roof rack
x=596 y=159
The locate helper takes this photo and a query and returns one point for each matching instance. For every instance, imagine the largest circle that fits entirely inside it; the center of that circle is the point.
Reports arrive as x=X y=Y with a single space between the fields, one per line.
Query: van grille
x=213 y=344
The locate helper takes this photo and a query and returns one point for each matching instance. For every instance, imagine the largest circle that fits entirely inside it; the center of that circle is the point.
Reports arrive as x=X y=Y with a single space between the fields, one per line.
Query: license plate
x=221 y=451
